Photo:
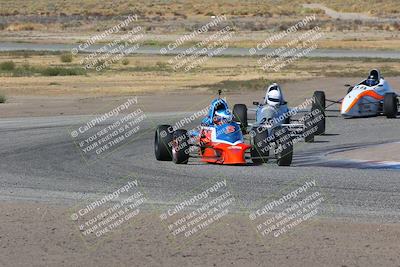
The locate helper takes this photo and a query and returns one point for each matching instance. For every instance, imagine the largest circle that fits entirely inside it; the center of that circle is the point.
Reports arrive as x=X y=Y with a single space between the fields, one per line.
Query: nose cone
x=349 y=105
x=266 y=113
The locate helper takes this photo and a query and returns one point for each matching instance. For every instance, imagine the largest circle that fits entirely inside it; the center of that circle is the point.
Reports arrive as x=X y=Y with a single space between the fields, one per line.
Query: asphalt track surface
x=39 y=162
x=230 y=51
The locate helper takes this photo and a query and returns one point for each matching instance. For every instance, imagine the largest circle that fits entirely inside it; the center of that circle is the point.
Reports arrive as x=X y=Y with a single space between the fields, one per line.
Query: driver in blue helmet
x=218 y=114
x=371 y=81
x=373 y=78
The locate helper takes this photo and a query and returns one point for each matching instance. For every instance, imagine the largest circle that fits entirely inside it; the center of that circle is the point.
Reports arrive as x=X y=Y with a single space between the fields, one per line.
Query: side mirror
x=347 y=85
x=255 y=103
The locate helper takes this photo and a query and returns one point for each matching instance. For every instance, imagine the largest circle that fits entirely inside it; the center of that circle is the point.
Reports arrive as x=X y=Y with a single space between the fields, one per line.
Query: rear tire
x=390 y=107
x=320 y=105
x=240 y=115
x=180 y=147
x=162 y=143
x=320 y=100
x=284 y=145
x=260 y=149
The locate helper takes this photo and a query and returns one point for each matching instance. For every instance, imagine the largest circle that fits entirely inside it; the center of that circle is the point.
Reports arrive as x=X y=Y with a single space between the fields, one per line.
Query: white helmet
x=274 y=95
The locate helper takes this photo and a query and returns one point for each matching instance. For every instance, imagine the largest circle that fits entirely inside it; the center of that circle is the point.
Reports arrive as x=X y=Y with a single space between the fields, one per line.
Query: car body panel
x=265 y=113
x=364 y=100
x=222 y=144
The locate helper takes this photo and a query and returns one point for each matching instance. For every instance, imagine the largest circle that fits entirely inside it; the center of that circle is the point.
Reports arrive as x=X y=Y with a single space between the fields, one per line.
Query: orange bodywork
x=369 y=93
x=221 y=153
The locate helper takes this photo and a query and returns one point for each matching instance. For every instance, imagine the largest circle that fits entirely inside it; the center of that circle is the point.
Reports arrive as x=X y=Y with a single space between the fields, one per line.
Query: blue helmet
x=219 y=111
x=371 y=81
x=222 y=116
x=373 y=78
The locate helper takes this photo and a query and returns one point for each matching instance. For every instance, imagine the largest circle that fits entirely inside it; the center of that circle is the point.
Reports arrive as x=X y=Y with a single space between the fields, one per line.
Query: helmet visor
x=275 y=100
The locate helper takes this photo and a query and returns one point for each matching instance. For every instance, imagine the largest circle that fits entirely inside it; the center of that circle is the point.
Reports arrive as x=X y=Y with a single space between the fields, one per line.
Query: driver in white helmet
x=274 y=104
x=274 y=96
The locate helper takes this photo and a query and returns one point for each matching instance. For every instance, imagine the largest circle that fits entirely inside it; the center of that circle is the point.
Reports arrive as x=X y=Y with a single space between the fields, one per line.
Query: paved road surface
x=40 y=162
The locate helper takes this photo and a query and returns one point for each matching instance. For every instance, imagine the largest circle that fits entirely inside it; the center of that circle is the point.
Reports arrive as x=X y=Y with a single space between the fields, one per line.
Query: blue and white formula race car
x=275 y=127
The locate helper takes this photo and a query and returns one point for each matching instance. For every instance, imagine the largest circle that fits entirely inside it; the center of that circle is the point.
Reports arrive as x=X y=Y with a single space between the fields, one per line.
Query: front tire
x=240 y=115
x=163 y=143
x=260 y=149
x=284 y=145
x=319 y=107
x=390 y=107
x=180 y=147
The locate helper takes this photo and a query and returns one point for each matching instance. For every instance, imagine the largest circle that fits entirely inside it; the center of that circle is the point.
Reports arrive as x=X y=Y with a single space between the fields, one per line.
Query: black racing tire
x=309 y=134
x=284 y=145
x=320 y=122
x=287 y=120
x=163 y=143
x=320 y=100
x=240 y=115
x=259 y=152
x=390 y=105
x=180 y=147
x=320 y=105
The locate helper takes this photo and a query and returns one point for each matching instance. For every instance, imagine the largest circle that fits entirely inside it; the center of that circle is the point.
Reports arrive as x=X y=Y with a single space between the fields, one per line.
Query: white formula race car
x=371 y=97
x=275 y=126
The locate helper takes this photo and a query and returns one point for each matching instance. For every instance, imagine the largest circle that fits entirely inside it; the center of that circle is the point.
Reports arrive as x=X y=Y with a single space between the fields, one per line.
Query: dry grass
x=337 y=43
x=174 y=8
x=74 y=21
x=16 y=27
x=361 y=44
x=183 y=9
x=373 y=7
x=152 y=73
x=66 y=58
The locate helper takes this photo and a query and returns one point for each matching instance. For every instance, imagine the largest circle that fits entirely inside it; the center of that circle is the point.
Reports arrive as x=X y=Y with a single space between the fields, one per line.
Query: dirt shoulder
x=232 y=241
x=366 y=39
x=295 y=92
